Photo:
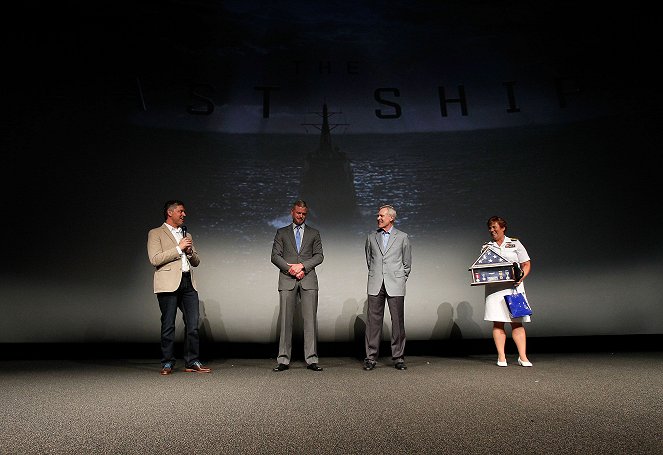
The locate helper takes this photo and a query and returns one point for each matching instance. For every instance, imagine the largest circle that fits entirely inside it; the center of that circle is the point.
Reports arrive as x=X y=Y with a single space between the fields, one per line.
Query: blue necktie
x=298 y=237
x=385 y=239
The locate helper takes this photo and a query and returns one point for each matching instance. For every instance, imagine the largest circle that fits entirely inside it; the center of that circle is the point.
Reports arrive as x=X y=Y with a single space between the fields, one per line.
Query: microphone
x=188 y=250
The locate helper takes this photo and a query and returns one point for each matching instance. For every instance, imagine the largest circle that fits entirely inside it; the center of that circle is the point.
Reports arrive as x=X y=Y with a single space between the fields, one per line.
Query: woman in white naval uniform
x=496 y=310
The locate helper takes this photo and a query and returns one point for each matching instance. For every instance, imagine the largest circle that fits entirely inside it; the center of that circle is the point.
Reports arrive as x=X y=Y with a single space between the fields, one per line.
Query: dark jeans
x=186 y=299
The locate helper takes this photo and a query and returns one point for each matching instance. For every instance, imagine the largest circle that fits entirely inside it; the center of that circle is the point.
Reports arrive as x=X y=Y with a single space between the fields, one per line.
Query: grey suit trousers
x=375 y=317
x=308 y=299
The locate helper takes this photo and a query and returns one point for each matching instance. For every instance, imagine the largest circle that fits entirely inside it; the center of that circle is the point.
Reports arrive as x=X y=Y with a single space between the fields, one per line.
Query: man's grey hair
x=390 y=210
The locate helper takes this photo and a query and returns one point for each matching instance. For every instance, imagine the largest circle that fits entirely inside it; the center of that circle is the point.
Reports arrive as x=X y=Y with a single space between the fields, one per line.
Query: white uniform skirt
x=496 y=309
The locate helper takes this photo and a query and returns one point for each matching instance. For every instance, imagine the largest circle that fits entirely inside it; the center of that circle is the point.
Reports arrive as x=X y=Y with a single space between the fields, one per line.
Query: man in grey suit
x=297 y=250
x=389 y=259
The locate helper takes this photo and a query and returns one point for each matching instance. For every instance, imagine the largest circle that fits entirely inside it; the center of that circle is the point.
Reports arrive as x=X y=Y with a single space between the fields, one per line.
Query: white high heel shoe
x=523 y=363
x=501 y=363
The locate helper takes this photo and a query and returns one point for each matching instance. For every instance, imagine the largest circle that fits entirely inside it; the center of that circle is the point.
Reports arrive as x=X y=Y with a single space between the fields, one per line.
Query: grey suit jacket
x=284 y=252
x=391 y=265
x=163 y=255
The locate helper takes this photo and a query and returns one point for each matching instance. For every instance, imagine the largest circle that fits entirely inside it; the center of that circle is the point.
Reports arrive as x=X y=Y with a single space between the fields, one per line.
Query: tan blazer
x=162 y=252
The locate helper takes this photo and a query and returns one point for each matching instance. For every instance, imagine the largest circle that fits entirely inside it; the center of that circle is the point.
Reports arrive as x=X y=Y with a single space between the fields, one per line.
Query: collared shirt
x=294 y=230
x=301 y=232
x=177 y=233
x=385 y=238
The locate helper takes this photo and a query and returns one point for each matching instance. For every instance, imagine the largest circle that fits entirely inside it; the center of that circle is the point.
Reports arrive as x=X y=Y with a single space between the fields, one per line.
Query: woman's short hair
x=497 y=219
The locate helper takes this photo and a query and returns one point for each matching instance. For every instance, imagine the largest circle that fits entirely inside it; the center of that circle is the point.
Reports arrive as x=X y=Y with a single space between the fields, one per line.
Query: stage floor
x=602 y=403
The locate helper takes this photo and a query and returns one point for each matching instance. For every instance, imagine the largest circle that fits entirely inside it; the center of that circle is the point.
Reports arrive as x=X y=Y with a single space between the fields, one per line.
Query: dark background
x=113 y=108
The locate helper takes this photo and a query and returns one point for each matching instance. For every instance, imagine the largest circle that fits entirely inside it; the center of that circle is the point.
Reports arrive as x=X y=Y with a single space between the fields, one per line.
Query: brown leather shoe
x=197 y=367
x=167 y=369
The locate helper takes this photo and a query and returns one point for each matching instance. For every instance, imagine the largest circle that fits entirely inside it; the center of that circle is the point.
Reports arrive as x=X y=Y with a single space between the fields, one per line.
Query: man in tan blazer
x=171 y=251
x=296 y=251
x=389 y=260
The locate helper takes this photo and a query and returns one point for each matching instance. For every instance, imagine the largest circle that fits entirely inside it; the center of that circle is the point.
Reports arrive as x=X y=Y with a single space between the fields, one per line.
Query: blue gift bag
x=517 y=304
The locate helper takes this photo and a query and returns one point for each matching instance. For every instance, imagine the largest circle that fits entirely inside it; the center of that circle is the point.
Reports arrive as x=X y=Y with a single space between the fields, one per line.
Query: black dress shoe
x=400 y=366
x=197 y=367
x=280 y=367
x=368 y=365
x=314 y=367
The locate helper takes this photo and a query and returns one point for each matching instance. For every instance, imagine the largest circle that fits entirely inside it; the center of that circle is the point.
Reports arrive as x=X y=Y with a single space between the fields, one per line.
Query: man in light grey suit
x=297 y=250
x=389 y=259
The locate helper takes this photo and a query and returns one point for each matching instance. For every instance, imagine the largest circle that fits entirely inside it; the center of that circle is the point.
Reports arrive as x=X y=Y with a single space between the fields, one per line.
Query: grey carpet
x=595 y=403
